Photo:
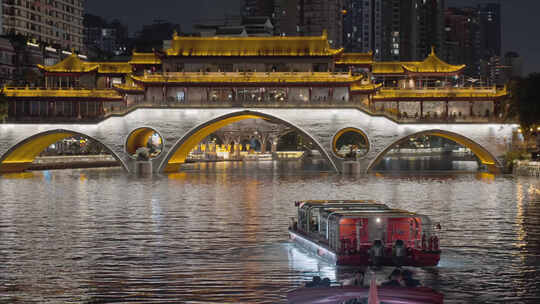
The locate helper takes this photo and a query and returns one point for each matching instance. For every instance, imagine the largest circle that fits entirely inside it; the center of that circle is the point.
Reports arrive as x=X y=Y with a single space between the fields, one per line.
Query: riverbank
x=73 y=162
x=526 y=168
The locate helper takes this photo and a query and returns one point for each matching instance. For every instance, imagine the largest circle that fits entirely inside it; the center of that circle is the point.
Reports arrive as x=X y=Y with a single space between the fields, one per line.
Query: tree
x=3 y=107
x=526 y=102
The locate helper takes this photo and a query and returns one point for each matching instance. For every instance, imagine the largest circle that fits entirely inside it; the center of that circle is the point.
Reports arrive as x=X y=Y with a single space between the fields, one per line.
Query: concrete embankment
x=527 y=168
x=73 y=162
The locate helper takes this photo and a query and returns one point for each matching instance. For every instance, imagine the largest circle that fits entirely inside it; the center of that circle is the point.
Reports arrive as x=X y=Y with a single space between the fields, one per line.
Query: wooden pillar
x=422 y=109
x=446 y=105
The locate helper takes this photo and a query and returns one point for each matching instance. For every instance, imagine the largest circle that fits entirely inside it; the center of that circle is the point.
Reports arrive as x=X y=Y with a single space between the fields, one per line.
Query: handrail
x=175 y=104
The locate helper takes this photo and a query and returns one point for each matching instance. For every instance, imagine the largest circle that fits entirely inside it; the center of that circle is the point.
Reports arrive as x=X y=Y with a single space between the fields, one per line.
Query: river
x=217 y=233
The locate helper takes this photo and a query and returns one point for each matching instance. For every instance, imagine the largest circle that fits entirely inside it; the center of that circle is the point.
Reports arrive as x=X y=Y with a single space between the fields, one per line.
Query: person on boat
x=325 y=282
x=408 y=279
x=315 y=282
x=358 y=279
x=394 y=280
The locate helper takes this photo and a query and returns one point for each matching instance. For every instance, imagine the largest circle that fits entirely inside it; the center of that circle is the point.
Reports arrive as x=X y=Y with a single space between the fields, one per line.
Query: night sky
x=520 y=19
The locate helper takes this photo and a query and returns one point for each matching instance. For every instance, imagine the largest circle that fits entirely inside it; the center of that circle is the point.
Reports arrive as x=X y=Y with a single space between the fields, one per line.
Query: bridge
x=183 y=128
x=201 y=84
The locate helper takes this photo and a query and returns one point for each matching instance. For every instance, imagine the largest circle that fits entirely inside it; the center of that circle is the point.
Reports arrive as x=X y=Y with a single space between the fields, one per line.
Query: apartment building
x=58 y=23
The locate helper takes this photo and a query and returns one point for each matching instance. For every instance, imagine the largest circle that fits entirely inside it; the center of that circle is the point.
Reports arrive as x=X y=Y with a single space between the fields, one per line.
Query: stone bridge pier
x=182 y=129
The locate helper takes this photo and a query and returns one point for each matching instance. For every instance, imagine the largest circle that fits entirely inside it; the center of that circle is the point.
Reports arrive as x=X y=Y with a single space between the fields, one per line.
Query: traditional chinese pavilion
x=252 y=71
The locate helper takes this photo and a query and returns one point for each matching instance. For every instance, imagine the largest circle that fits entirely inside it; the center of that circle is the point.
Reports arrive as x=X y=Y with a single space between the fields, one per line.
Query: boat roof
x=355 y=208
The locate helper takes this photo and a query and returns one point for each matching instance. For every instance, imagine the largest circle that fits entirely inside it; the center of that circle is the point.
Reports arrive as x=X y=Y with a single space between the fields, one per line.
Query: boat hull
x=396 y=295
x=416 y=258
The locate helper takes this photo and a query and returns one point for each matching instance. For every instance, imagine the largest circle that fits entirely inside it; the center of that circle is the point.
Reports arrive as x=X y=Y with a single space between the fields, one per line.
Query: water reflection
x=218 y=233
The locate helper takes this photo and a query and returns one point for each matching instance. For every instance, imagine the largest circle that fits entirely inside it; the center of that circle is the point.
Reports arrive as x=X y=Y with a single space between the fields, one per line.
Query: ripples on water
x=218 y=234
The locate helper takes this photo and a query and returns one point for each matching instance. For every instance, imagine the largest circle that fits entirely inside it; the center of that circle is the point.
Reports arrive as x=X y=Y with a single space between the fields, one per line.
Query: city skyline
x=516 y=28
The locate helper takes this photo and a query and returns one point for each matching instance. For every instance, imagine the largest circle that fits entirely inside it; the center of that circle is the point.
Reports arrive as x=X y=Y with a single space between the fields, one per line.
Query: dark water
x=218 y=234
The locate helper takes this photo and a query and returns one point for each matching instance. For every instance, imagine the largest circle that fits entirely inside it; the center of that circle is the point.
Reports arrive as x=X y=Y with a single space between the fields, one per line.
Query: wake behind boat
x=349 y=232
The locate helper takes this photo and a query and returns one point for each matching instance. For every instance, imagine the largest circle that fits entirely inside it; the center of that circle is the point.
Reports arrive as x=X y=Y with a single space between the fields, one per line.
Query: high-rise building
x=394 y=29
x=317 y=16
x=258 y=8
x=286 y=17
x=489 y=26
x=361 y=31
x=473 y=37
x=107 y=38
x=55 y=22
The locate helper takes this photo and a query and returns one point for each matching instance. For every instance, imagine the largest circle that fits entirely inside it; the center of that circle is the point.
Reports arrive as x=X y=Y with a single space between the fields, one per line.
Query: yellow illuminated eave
x=431 y=65
x=145 y=58
x=387 y=68
x=275 y=78
x=72 y=94
x=129 y=88
x=453 y=93
x=71 y=64
x=363 y=88
x=355 y=59
x=114 y=67
x=280 y=46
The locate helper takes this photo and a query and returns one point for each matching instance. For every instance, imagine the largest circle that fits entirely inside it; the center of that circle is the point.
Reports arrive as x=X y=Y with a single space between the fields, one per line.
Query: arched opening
x=443 y=145
x=350 y=143
x=145 y=140
x=181 y=150
x=59 y=143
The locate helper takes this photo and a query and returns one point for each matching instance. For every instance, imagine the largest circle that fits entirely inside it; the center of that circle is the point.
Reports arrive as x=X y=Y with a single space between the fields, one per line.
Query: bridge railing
x=328 y=103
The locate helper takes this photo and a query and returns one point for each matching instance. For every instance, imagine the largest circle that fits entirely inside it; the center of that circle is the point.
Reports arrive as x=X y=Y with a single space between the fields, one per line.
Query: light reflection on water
x=218 y=233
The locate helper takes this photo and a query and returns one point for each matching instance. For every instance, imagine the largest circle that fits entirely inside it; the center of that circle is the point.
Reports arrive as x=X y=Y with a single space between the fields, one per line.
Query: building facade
x=473 y=37
x=55 y=22
x=394 y=29
x=7 y=61
x=302 y=72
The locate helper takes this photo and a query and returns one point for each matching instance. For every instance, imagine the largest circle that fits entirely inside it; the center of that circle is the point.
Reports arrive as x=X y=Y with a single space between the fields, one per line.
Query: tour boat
x=365 y=233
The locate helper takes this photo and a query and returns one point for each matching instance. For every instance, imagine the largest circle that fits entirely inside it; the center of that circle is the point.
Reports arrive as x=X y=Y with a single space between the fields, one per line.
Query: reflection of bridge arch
x=180 y=150
x=485 y=157
x=22 y=154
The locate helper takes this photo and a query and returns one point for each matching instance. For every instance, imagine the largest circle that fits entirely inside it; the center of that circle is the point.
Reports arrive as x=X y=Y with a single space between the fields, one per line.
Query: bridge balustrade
x=287 y=103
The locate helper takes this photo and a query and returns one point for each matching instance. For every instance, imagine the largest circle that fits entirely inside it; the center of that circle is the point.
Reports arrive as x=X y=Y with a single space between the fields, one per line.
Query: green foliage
x=3 y=107
x=511 y=156
x=526 y=101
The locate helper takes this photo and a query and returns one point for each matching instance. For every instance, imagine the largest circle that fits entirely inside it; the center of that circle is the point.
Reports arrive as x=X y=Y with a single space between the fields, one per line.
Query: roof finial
x=325 y=34
x=175 y=34
x=432 y=50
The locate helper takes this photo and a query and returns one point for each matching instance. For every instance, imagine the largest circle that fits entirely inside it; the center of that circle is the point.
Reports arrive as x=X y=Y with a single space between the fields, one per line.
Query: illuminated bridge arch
x=22 y=154
x=485 y=157
x=179 y=152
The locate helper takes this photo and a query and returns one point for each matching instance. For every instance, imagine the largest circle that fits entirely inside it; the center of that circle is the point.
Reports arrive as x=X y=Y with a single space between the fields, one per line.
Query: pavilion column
x=422 y=109
x=264 y=140
x=446 y=110
x=274 y=144
x=471 y=113
x=398 y=110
